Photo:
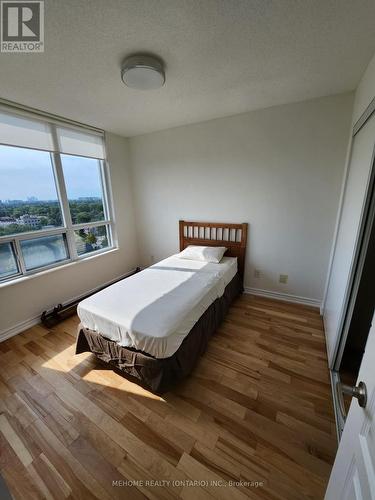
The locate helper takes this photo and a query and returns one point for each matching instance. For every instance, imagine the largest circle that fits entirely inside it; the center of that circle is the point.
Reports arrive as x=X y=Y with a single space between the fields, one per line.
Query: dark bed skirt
x=160 y=375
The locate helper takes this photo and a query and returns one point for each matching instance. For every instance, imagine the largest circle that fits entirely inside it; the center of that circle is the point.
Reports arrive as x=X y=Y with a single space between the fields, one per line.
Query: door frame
x=367 y=221
x=353 y=281
x=360 y=254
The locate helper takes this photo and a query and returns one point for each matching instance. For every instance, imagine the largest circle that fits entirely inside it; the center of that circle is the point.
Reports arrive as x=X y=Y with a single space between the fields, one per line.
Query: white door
x=353 y=473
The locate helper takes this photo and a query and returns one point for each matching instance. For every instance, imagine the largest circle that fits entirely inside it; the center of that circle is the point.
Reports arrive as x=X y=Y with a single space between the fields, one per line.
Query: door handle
x=356 y=391
x=340 y=400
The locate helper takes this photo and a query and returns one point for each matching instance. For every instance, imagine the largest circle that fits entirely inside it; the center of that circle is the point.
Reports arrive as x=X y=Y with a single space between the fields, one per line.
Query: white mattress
x=155 y=309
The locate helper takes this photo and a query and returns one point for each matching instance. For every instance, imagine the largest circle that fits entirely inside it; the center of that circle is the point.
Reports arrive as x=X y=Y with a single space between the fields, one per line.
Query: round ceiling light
x=143 y=72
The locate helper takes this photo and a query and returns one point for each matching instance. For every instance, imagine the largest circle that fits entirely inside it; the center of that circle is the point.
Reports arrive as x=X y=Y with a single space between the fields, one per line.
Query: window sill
x=42 y=272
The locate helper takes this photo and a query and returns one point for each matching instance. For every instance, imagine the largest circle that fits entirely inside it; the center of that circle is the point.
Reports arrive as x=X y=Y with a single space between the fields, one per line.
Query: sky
x=25 y=173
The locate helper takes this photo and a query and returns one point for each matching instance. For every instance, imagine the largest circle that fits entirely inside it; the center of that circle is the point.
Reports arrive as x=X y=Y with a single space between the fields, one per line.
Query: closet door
x=357 y=184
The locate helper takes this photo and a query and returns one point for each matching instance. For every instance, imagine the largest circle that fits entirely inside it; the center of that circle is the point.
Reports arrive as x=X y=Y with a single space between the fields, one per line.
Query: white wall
x=279 y=169
x=354 y=190
x=24 y=300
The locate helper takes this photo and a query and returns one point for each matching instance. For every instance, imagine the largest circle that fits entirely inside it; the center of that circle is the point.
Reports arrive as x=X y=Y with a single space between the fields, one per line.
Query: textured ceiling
x=222 y=57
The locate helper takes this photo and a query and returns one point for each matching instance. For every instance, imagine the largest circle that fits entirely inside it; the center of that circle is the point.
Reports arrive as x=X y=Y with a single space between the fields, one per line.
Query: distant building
x=33 y=221
x=32 y=198
x=14 y=202
x=7 y=221
x=29 y=220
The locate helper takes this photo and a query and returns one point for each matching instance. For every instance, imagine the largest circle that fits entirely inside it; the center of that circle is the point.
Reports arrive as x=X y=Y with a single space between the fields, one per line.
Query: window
x=28 y=192
x=8 y=262
x=53 y=197
x=84 y=190
x=90 y=239
x=40 y=252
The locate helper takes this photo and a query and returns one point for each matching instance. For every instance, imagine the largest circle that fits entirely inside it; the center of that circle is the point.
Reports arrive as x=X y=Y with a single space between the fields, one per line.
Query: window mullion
x=107 y=200
x=62 y=190
x=60 y=182
x=85 y=225
x=65 y=205
x=103 y=183
x=19 y=256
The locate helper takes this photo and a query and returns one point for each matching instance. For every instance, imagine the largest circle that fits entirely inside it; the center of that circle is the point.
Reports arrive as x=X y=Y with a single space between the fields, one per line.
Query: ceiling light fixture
x=143 y=72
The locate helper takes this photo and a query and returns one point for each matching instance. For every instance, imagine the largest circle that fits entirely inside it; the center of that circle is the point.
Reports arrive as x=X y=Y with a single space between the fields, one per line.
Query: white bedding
x=155 y=309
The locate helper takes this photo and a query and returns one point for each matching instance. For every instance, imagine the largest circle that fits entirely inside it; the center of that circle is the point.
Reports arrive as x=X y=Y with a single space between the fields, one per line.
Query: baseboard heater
x=62 y=311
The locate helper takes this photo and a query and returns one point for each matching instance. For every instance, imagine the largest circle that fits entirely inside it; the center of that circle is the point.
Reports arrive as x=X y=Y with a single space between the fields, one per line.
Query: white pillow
x=205 y=254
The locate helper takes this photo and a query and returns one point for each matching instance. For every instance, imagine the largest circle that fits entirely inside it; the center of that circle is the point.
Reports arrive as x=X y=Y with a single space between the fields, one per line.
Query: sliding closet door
x=353 y=204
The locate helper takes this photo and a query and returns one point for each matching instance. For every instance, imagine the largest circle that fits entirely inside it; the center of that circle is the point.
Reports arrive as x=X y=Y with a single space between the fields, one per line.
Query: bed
x=153 y=326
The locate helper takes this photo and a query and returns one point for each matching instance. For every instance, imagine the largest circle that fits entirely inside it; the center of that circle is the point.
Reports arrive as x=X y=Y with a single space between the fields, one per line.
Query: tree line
x=50 y=212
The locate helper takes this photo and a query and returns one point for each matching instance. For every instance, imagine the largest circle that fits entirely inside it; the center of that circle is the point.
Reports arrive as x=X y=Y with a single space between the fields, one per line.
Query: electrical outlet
x=283 y=278
x=257 y=273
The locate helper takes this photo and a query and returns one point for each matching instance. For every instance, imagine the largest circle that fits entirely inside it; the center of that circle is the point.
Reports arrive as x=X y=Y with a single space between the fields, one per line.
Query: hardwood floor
x=255 y=419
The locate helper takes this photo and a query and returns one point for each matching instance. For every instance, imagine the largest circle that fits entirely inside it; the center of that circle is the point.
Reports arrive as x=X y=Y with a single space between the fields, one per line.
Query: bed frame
x=231 y=236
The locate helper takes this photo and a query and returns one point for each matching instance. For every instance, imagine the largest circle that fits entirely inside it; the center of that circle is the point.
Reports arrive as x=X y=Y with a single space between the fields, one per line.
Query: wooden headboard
x=214 y=234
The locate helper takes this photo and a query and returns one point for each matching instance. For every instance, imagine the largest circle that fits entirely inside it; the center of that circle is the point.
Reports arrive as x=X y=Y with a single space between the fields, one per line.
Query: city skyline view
x=27 y=173
x=34 y=199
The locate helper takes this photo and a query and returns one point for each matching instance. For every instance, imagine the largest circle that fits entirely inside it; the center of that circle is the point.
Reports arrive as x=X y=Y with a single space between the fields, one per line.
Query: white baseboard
x=28 y=323
x=283 y=296
x=20 y=327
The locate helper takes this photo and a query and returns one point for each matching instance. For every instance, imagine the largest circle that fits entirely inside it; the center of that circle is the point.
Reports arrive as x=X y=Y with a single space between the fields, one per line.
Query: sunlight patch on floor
x=65 y=362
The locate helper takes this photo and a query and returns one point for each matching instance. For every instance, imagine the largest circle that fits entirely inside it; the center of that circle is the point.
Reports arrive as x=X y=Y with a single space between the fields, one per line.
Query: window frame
x=19 y=271
x=67 y=228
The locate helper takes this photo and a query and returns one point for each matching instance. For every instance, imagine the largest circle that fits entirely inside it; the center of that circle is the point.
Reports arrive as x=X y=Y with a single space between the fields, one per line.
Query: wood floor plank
x=14 y=441
x=254 y=420
x=196 y=470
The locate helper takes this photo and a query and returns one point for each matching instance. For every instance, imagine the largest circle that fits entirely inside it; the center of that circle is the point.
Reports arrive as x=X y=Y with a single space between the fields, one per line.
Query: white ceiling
x=222 y=57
